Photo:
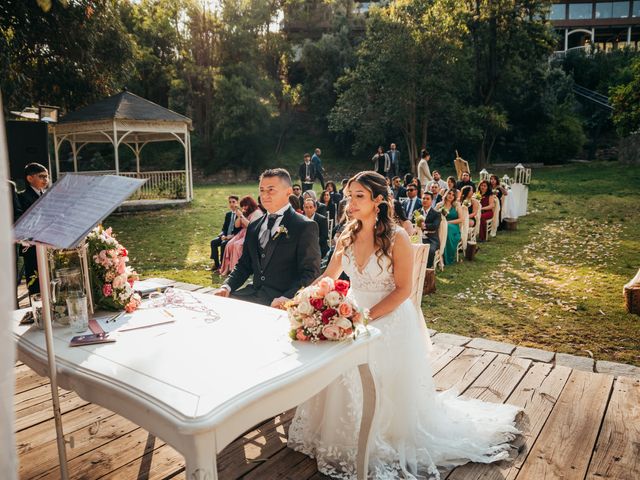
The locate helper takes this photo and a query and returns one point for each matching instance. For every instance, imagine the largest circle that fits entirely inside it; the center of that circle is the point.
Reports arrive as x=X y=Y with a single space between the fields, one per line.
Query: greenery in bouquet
x=418 y=218
x=112 y=278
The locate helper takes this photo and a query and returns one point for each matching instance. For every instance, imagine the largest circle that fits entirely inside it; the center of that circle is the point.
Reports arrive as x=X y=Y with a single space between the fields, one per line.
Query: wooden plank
x=161 y=463
x=499 y=379
x=617 y=453
x=26 y=379
x=284 y=464
x=43 y=411
x=441 y=359
x=255 y=447
x=563 y=449
x=536 y=394
x=463 y=370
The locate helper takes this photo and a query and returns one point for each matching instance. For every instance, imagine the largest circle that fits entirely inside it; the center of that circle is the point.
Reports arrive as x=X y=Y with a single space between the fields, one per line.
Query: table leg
x=369 y=404
x=201 y=458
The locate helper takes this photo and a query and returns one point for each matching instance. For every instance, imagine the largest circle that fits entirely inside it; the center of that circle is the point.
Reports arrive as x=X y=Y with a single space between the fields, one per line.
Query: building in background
x=603 y=26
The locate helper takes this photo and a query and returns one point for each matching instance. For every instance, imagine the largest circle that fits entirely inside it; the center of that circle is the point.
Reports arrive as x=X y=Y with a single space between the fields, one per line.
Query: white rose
x=305 y=308
x=333 y=298
x=342 y=323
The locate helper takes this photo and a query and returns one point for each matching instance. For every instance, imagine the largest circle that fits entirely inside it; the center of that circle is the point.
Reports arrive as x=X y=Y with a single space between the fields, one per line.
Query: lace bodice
x=375 y=276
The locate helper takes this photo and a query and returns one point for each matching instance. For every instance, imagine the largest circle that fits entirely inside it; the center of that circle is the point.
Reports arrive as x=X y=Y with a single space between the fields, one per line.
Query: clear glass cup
x=78 y=313
x=36 y=308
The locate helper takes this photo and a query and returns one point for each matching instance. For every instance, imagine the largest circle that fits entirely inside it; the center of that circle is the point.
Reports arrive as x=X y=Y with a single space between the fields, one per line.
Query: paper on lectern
x=68 y=211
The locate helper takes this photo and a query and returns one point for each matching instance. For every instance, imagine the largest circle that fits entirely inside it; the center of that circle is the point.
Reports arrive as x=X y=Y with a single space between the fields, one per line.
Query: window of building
x=559 y=11
x=620 y=10
x=580 y=11
x=604 y=9
x=636 y=9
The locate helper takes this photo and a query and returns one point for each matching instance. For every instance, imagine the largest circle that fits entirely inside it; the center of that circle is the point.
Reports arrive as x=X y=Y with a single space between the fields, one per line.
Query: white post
x=115 y=147
x=74 y=151
x=593 y=37
x=190 y=166
x=43 y=275
x=566 y=39
x=628 y=35
x=55 y=149
x=137 y=157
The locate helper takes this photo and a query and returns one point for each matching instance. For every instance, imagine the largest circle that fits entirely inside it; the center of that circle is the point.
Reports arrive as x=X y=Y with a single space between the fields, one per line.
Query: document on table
x=147 y=317
x=68 y=211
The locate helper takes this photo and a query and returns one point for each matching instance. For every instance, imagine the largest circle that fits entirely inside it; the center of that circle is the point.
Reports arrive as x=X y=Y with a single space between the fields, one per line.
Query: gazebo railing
x=167 y=184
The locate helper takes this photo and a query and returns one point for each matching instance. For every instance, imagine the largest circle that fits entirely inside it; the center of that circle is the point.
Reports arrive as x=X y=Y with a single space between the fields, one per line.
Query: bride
x=416 y=429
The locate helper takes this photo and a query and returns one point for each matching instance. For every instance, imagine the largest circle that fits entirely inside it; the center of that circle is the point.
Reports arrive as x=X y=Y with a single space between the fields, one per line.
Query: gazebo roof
x=124 y=106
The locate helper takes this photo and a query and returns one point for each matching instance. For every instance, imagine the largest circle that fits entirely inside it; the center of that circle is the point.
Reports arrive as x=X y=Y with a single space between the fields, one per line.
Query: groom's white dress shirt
x=276 y=224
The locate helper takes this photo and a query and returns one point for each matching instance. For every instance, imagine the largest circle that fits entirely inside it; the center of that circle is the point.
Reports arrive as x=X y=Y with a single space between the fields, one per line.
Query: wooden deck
x=576 y=424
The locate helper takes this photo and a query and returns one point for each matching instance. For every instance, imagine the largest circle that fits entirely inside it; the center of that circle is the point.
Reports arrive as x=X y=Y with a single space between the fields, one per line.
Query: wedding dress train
x=416 y=428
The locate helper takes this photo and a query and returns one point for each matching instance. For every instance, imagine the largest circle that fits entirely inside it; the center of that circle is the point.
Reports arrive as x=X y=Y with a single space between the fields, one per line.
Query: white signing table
x=199 y=384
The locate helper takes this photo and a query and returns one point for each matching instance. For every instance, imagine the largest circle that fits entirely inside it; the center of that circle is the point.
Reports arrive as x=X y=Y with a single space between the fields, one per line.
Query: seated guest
x=466 y=180
x=497 y=190
x=321 y=207
x=412 y=202
x=36 y=179
x=434 y=189
x=471 y=203
x=408 y=178
x=398 y=190
x=438 y=179
x=297 y=190
x=296 y=203
x=418 y=184
x=229 y=229
x=330 y=207
x=486 y=207
x=451 y=184
x=343 y=185
x=452 y=214
x=246 y=213
x=336 y=196
x=432 y=219
x=310 y=211
x=400 y=217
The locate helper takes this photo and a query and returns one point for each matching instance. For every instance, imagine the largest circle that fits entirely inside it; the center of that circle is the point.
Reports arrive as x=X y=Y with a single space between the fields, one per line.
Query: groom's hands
x=221 y=292
x=279 y=302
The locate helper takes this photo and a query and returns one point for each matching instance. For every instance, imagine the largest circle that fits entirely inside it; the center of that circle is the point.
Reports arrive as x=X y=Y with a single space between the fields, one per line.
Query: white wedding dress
x=416 y=428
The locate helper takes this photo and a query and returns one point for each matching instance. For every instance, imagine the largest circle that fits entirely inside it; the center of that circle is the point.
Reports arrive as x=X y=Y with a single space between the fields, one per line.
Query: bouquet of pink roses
x=324 y=312
x=112 y=278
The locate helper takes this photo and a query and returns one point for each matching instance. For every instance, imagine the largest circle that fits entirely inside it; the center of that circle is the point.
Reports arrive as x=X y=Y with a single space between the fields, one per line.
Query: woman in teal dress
x=453 y=217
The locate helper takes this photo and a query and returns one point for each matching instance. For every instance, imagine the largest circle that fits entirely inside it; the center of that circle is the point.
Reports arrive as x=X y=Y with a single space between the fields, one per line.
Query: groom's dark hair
x=281 y=173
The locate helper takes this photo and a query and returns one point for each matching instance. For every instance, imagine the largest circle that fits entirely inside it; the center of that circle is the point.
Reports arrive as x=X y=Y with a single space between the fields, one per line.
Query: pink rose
x=107 y=289
x=309 y=322
x=301 y=336
x=327 y=314
x=324 y=286
x=122 y=267
x=119 y=281
x=317 y=303
x=342 y=287
x=345 y=310
x=331 y=332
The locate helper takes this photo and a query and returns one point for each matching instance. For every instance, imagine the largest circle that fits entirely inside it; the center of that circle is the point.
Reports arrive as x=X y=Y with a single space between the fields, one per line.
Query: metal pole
x=115 y=147
x=75 y=154
x=43 y=275
x=566 y=39
x=85 y=270
x=55 y=149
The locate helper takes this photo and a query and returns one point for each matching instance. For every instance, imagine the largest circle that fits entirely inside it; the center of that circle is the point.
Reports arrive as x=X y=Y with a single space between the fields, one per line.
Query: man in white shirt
x=438 y=179
x=281 y=250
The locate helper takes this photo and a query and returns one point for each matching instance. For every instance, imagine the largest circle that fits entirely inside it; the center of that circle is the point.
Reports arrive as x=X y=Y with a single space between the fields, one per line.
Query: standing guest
x=297 y=190
x=452 y=214
x=394 y=156
x=499 y=191
x=330 y=207
x=430 y=226
x=246 y=213
x=381 y=162
x=471 y=203
x=486 y=207
x=398 y=190
x=435 y=192
x=412 y=203
x=311 y=213
x=296 y=204
x=281 y=249
x=424 y=174
x=307 y=173
x=400 y=218
x=317 y=162
x=438 y=180
x=229 y=229
x=466 y=180
x=36 y=179
x=322 y=209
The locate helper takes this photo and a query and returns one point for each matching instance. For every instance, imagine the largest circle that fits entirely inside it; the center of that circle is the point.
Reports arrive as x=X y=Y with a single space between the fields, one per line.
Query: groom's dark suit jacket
x=288 y=262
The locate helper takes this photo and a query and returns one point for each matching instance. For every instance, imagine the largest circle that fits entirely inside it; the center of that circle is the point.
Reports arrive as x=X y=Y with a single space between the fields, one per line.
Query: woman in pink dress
x=245 y=214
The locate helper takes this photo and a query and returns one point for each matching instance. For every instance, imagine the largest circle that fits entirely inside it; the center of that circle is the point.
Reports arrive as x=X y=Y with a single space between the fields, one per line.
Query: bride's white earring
x=377 y=212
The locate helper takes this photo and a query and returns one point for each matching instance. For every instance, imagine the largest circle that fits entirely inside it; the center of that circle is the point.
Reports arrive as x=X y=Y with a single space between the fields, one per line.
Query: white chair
x=442 y=235
x=464 y=232
x=420 y=258
x=330 y=222
x=495 y=221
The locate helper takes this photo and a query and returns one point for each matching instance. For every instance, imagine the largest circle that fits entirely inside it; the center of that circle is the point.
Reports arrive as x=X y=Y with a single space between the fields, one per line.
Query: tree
x=626 y=102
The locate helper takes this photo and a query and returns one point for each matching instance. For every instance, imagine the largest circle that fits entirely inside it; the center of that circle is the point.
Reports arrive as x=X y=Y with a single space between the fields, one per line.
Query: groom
x=281 y=250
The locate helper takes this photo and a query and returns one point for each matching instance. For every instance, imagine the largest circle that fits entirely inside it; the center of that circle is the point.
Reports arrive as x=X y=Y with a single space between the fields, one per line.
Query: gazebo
x=127 y=119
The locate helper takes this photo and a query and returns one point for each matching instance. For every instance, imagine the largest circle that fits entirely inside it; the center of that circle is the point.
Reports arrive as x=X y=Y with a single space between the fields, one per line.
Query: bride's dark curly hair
x=385 y=226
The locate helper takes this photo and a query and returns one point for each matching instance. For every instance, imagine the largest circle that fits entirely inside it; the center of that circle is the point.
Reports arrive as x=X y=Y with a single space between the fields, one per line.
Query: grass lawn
x=555 y=283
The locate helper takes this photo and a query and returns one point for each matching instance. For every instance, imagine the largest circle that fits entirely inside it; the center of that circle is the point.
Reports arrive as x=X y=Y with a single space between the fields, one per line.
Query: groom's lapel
x=273 y=242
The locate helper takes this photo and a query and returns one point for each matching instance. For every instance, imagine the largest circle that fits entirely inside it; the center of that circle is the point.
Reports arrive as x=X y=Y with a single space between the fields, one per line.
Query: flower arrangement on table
x=111 y=277
x=324 y=312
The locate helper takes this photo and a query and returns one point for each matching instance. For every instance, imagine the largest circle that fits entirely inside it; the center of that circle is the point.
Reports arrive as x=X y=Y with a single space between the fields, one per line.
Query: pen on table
x=167 y=312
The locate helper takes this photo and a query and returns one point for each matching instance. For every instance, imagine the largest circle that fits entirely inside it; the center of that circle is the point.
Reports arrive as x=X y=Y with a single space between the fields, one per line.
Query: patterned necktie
x=232 y=224
x=266 y=235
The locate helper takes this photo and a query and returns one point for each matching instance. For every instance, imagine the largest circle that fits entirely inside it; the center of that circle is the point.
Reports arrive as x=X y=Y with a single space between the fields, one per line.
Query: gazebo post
x=186 y=164
x=137 y=157
x=55 y=150
x=74 y=151
x=188 y=138
x=115 y=147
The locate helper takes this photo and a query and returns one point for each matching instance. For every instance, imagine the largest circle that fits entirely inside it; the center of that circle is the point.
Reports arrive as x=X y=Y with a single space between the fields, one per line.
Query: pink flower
x=301 y=336
x=123 y=252
x=119 y=281
x=331 y=332
x=317 y=303
x=122 y=267
x=309 y=322
x=108 y=231
x=107 y=289
x=342 y=287
x=327 y=314
x=325 y=285
x=345 y=310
